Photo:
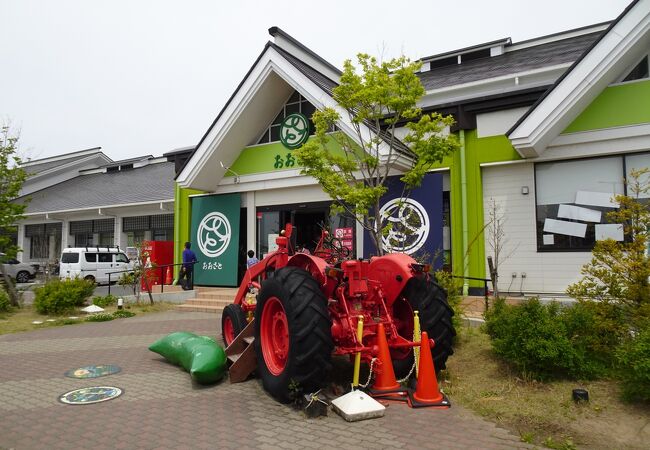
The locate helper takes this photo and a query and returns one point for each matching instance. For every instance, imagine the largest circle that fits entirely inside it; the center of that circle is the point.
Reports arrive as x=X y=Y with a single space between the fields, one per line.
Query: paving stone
x=162 y=409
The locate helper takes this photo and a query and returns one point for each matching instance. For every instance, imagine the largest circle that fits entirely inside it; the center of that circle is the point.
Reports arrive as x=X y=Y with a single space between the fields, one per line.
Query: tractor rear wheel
x=293 y=341
x=233 y=321
x=430 y=300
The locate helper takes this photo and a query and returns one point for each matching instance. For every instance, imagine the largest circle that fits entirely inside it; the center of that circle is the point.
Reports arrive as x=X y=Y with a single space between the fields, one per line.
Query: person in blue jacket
x=187 y=269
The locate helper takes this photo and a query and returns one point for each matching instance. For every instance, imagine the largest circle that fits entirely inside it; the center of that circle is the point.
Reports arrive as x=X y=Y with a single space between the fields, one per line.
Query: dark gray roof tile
x=154 y=182
x=510 y=63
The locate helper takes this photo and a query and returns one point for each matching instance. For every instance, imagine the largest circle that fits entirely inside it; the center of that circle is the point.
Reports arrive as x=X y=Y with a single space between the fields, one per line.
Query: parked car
x=94 y=263
x=21 y=272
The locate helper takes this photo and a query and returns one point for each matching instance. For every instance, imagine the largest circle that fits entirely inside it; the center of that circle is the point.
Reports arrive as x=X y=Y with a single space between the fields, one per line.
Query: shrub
x=453 y=287
x=634 y=358
x=550 y=341
x=5 y=305
x=59 y=296
x=104 y=301
x=123 y=313
x=100 y=317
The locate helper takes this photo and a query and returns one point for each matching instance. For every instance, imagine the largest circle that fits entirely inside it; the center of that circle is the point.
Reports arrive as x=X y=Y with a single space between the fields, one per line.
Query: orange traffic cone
x=168 y=276
x=385 y=382
x=427 y=392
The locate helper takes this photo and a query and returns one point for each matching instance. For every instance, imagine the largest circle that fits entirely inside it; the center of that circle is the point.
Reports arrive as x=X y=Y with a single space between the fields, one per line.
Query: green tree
x=618 y=271
x=143 y=270
x=380 y=96
x=12 y=177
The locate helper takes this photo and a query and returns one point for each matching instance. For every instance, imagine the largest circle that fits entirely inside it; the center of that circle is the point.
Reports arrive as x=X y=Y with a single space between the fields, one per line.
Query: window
x=70 y=258
x=163 y=235
x=296 y=104
x=106 y=239
x=133 y=238
x=639 y=72
x=39 y=247
x=83 y=239
x=91 y=257
x=121 y=258
x=636 y=162
x=105 y=257
x=574 y=197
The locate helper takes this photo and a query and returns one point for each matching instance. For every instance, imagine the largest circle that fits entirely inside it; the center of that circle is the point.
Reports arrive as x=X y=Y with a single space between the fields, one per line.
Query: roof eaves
x=503 y=41
x=275 y=31
x=570 y=69
x=64 y=156
x=214 y=122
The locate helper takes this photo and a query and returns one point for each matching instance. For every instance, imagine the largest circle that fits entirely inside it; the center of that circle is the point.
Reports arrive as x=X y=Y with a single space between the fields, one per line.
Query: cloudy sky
x=142 y=77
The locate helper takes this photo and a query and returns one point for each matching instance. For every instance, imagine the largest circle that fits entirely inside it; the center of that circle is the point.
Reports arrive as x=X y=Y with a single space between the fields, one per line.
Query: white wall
x=546 y=272
x=498 y=122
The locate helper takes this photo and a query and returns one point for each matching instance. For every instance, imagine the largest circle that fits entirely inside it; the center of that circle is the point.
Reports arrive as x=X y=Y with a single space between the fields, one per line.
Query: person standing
x=187 y=269
x=252 y=260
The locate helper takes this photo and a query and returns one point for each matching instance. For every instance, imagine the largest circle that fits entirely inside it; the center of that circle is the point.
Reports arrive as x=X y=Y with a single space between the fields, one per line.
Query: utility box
x=154 y=255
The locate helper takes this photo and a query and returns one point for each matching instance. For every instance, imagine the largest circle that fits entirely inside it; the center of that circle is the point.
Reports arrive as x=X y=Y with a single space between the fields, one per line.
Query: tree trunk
x=11 y=289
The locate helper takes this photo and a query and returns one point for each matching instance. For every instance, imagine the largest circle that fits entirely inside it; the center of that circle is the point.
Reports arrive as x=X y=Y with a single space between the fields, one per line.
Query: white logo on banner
x=213 y=235
x=409 y=225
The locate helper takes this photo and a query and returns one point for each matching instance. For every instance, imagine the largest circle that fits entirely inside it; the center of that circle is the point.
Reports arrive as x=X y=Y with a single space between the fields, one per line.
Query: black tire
x=308 y=360
x=89 y=278
x=430 y=300
x=22 y=277
x=238 y=319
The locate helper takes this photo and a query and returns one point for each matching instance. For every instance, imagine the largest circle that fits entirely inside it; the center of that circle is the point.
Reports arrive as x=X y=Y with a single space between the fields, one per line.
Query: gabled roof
x=624 y=41
x=283 y=66
x=151 y=183
x=37 y=166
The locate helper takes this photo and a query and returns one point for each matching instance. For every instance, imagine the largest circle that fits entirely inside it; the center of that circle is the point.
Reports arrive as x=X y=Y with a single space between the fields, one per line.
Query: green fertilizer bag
x=201 y=356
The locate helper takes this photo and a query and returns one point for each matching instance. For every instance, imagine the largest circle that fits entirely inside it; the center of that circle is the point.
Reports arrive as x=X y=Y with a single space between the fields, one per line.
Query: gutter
x=463 y=200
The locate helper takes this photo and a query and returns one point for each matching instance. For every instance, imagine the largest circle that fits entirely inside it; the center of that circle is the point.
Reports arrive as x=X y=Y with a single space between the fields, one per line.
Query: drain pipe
x=463 y=200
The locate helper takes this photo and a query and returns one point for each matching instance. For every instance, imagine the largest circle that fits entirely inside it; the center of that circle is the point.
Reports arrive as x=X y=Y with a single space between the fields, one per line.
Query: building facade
x=548 y=129
x=88 y=200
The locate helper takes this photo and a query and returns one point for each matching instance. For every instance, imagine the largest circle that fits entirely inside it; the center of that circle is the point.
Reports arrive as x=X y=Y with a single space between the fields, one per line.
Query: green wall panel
x=477 y=151
x=269 y=158
x=182 y=215
x=625 y=104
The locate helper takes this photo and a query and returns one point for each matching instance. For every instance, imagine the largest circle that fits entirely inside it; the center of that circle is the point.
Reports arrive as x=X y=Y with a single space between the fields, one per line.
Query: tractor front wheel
x=293 y=341
x=430 y=300
x=233 y=321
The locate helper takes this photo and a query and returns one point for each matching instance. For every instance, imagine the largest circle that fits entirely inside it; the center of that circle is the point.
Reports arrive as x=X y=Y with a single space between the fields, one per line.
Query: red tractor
x=307 y=308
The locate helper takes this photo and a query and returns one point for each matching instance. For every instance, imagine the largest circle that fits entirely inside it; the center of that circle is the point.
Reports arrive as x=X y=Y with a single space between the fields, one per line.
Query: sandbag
x=201 y=356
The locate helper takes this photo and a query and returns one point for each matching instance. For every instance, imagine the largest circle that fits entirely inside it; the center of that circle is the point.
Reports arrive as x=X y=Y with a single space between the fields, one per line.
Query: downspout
x=463 y=200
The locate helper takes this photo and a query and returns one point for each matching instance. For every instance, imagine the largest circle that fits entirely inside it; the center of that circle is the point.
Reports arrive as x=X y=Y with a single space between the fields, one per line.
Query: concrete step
x=207 y=302
x=215 y=296
x=209 y=299
x=198 y=308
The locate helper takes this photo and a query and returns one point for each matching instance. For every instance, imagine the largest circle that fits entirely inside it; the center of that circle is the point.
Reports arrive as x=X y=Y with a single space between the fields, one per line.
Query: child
x=251 y=259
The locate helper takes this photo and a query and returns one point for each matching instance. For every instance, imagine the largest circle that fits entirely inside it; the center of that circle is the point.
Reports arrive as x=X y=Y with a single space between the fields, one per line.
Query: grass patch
x=20 y=319
x=541 y=413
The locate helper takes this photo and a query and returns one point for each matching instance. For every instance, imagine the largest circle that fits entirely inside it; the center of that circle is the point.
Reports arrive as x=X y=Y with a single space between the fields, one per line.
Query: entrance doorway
x=307 y=220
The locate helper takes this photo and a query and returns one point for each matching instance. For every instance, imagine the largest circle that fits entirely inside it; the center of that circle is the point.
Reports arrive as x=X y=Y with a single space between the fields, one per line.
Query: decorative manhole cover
x=89 y=395
x=93 y=371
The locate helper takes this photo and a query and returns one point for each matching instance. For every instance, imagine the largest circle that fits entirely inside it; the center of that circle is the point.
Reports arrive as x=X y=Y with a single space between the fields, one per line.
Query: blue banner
x=415 y=222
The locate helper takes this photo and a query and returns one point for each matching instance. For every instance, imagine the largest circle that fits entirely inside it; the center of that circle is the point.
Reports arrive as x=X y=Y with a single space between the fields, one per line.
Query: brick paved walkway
x=161 y=408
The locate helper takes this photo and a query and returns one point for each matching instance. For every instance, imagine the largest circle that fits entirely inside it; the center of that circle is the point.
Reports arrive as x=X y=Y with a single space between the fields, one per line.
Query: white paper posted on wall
x=609 y=231
x=604 y=199
x=578 y=213
x=563 y=227
x=549 y=239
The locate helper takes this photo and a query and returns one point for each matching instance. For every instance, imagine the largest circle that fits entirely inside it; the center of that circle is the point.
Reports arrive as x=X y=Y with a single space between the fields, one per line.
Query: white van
x=94 y=264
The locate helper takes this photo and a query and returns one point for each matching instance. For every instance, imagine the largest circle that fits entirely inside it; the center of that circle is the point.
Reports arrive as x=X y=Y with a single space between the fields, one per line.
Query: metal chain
x=372 y=363
x=409 y=374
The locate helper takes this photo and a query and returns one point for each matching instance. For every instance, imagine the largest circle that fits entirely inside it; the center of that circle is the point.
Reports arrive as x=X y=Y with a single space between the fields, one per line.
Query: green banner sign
x=215 y=239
